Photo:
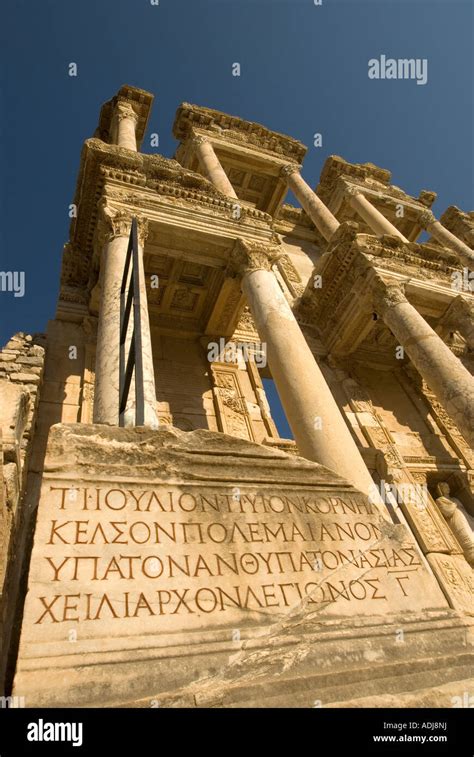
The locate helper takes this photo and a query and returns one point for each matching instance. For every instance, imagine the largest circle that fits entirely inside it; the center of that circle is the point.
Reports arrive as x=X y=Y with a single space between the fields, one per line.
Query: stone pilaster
x=315 y=419
x=369 y=213
x=443 y=372
x=320 y=215
x=113 y=238
x=211 y=165
x=125 y=125
x=428 y=222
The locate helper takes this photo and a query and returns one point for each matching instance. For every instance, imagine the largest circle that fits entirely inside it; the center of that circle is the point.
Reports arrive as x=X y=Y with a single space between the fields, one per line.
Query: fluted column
x=211 y=165
x=125 y=126
x=428 y=222
x=370 y=214
x=115 y=235
x=451 y=382
x=320 y=215
x=315 y=419
x=460 y=317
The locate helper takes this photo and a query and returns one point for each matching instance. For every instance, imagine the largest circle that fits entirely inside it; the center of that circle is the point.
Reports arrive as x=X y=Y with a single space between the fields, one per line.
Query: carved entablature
x=233 y=129
x=188 y=199
x=364 y=176
x=102 y=164
x=460 y=224
x=338 y=297
x=136 y=180
x=340 y=179
x=335 y=167
x=421 y=261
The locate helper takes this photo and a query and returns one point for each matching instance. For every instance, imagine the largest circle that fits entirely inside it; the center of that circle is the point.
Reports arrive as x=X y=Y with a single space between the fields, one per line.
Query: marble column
x=125 y=126
x=116 y=228
x=438 y=231
x=369 y=213
x=312 y=412
x=460 y=317
x=320 y=215
x=444 y=373
x=211 y=165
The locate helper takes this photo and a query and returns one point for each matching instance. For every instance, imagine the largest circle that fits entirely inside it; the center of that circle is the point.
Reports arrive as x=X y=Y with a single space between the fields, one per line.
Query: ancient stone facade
x=368 y=335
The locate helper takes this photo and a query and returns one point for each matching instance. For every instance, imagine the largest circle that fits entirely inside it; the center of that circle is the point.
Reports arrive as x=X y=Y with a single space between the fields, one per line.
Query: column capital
x=426 y=218
x=288 y=170
x=351 y=189
x=247 y=257
x=117 y=222
x=123 y=109
x=387 y=294
x=198 y=139
x=143 y=229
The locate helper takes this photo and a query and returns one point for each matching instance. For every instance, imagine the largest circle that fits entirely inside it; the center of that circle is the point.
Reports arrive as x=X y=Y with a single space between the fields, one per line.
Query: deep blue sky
x=303 y=70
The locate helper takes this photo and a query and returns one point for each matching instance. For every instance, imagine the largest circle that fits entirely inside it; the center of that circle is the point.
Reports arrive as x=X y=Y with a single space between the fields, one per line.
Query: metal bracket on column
x=130 y=295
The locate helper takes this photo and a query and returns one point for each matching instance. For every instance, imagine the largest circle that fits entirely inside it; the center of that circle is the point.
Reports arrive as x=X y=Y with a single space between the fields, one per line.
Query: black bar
x=127 y=379
x=348 y=732
x=138 y=342
x=130 y=295
x=122 y=336
x=126 y=312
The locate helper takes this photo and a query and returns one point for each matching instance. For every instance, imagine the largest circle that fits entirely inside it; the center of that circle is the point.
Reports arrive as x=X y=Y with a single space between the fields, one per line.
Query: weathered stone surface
x=14 y=404
x=25 y=377
x=36 y=360
x=18 y=405
x=151 y=544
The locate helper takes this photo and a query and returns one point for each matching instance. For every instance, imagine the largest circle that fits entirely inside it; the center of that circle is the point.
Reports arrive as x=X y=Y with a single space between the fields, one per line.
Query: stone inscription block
x=167 y=537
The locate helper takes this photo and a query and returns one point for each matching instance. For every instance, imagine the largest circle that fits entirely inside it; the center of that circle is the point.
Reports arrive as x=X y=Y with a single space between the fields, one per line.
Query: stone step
x=329 y=689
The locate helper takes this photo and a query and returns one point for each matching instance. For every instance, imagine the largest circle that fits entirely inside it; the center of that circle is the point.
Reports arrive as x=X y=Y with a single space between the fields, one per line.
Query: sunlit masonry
x=161 y=543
